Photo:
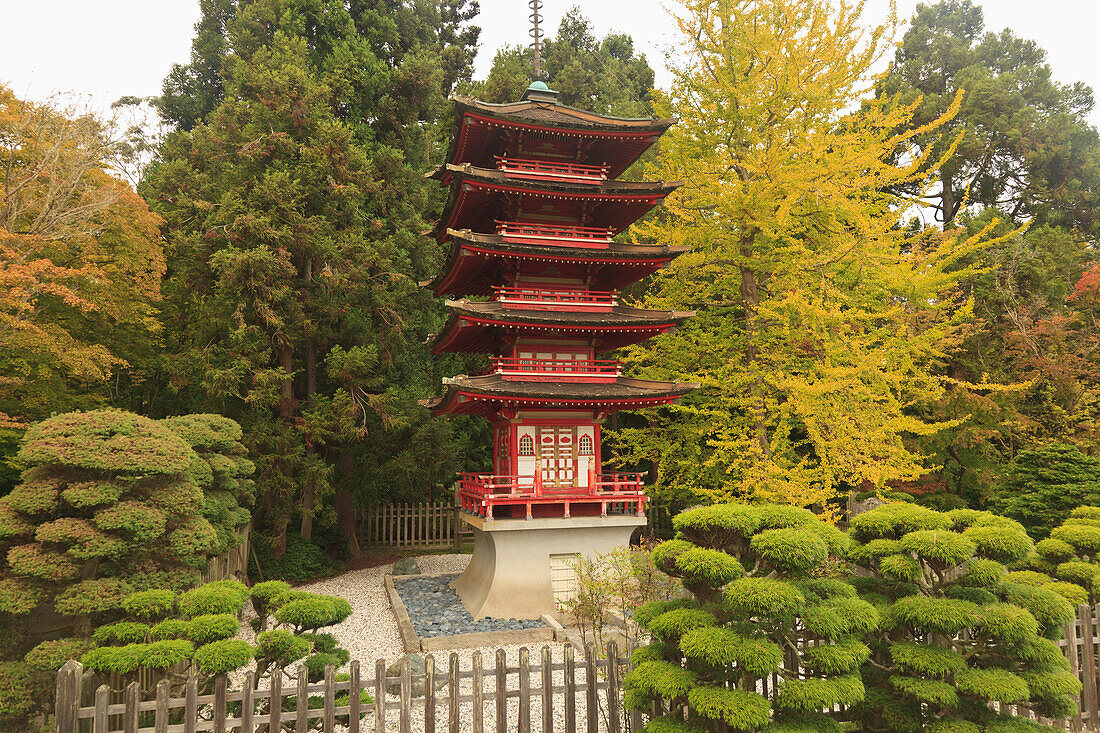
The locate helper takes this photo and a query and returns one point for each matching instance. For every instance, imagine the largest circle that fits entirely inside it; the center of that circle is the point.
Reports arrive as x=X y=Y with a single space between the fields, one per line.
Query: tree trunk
x=750 y=301
x=345 y=509
x=309 y=490
x=285 y=355
x=947 y=200
x=278 y=530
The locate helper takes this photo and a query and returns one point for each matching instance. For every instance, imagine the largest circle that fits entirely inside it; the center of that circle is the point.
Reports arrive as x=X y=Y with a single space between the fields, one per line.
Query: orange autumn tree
x=80 y=261
x=820 y=318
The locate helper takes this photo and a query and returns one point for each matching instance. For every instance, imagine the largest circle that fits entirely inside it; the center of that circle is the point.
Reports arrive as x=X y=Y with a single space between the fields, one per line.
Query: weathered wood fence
x=578 y=692
x=435 y=525
x=232 y=565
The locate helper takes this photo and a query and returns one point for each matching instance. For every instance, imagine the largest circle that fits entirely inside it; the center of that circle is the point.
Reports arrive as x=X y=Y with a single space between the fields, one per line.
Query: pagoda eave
x=474 y=262
x=488 y=395
x=478 y=327
x=478 y=196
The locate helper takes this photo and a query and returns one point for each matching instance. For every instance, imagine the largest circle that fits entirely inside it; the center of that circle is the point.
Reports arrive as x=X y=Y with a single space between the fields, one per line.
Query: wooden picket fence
x=435 y=525
x=232 y=565
x=477 y=699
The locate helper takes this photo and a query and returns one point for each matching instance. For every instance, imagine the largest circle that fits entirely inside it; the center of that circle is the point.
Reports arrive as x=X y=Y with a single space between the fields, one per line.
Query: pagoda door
x=557 y=457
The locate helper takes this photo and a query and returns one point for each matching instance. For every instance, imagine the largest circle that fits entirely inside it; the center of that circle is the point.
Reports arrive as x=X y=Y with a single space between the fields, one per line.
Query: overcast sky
x=110 y=48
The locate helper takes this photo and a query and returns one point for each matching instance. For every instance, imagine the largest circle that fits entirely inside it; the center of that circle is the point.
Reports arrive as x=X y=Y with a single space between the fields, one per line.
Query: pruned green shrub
x=222 y=657
x=150 y=604
x=960 y=634
x=50 y=656
x=757 y=611
x=223 y=596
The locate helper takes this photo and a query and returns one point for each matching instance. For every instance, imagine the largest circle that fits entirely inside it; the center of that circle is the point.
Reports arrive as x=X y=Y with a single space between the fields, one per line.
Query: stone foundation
x=509 y=574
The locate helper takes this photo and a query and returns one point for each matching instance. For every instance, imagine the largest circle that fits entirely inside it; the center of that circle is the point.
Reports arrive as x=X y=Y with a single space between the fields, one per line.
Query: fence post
x=406 y=696
x=524 y=723
x=248 y=702
x=353 y=698
x=456 y=524
x=613 y=687
x=1088 y=666
x=479 y=697
x=379 y=695
x=301 y=721
x=502 y=692
x=191 y=704
x=102 y=700
x=69 y=680
x=429 y=694
x=547 y=691
x=591 y=699
x=275 y=707
x=130 y=700
x=570 y=690
x=328 y=722
x=453 y=691
x=161 y=721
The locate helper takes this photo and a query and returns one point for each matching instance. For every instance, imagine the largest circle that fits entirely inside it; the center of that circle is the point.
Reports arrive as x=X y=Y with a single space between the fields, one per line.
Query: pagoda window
x=527 y=446
x=585 y=446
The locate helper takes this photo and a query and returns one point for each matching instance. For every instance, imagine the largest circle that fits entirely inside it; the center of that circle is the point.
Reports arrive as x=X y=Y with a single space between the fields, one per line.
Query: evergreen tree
x=957 y=634
x=760 y=608
x=295 y=208
x=602 y=76
x=1046 y=484
x=1026 y=147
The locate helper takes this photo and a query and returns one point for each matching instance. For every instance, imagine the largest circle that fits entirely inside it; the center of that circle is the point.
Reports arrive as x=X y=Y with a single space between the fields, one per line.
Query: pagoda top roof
x=473 y=326
x=558 y=115
x=473 y=263
x=485 y=395
x=616 y=141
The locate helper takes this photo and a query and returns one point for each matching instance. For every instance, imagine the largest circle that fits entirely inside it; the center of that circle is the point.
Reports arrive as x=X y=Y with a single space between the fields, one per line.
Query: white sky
x=110 y=48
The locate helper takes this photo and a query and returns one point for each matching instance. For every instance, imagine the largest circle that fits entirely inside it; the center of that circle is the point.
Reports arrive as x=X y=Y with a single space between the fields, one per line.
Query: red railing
x=556 y=370
x=478 y=493
x=552 y=170
x=556 y=234
x=592 y=301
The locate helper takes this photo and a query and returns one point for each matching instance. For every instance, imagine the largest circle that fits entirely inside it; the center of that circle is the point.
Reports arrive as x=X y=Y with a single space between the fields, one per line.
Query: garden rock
x=406 y=566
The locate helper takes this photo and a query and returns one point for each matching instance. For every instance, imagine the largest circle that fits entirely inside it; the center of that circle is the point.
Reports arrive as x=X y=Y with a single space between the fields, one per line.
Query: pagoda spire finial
x=536 y=34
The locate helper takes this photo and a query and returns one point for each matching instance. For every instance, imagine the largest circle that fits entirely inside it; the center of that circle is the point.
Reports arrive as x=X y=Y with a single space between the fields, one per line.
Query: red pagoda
x=535 y=202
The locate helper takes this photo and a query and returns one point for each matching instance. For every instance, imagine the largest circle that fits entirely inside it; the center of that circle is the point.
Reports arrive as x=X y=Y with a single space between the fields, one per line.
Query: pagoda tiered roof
x=475 y=327
x=477 y=262
x=481 y=197
x=483 y=130
x=486 y=395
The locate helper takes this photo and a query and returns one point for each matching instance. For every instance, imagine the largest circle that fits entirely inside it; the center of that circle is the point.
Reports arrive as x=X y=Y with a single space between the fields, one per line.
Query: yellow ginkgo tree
x=820 y=317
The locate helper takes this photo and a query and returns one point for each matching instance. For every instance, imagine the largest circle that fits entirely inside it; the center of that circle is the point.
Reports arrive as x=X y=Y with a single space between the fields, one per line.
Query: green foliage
x=109 y=441
x=222 y=657
x=1046 y=484
x=121 y=632
x=302 y=560
x=50 y=656
x=281 y=647
x=17 y=597
x=92 y=596
x=150 y=604
x=960 y=633
x=212 y=627
x=22 y=691
x=741 y=710
x=311 y=612
x=752 y=571
x=220 y=597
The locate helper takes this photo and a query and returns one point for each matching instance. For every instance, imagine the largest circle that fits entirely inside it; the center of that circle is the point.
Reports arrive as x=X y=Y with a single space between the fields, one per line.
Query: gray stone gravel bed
x=435 y=609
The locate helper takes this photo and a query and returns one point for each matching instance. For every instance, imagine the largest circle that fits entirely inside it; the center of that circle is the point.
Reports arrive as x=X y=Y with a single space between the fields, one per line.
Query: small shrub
x=150 y=604
x=223 y=596
x=50 y=656
x=222 y=657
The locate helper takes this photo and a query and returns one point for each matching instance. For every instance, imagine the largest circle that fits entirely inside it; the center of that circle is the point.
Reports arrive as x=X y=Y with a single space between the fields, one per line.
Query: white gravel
x=370 y=633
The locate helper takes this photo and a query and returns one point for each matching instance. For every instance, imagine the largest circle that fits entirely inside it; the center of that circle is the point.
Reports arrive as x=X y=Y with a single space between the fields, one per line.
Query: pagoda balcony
x=585 y=301
x=479 y=493
x=591 y=371
x=546 y=170
x=562 y=235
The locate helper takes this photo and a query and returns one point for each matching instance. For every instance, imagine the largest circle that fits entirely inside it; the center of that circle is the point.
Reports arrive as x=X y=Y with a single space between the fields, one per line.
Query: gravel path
x=370 y=633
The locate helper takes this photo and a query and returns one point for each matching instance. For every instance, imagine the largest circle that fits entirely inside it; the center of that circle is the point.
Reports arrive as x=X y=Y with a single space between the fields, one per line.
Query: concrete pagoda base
x=509 y=575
